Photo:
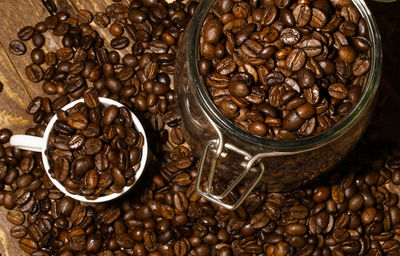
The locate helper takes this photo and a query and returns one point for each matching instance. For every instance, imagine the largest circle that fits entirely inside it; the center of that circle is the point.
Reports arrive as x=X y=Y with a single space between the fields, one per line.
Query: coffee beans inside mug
x=94 y=150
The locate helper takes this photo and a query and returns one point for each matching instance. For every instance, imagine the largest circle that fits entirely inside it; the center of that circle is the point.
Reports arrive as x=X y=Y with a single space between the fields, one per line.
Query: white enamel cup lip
x=138 y=126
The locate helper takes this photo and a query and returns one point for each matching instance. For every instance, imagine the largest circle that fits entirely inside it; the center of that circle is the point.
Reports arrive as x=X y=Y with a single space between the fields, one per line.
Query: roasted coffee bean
x=296 y=60
x=50 y=6
x=84 y=16
x=119 y=42
x=299 y=211
x=312 y=47
x=302 y=14
x=28 y=245
x=15 y=217
x=18 y=231
x=17 y=47
x=38 y=40
x=361 y=65
x=290 y=36
x=292 y=121
x=338 y=91
x=77 y=121
x=34 y=73
x=26 y=33
x=318 y=19
x=101 y=19
x=9 y=199
x=177 y=136
x=296 y=229
x=65 y=54
x=37 y=56
x=61 y=29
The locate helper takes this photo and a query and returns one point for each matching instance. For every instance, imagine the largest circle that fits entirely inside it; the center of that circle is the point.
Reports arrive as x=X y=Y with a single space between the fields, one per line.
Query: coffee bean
x=305 y=78
x=361 y=65
x=305 y=111
x=338 y=91
x=18 y=231
x=368 y=215
x=93 y=243
x=290 y=36
x=61 y=29
x=77 y=121
x=26 y=33
x=84 y=16
x=238 y=89
x=269 y=34
x=34 y=73
x=28 y=245
x=65 y=54
x=9 y=199
x=17 y=47
x=296 y=60
x=302 y=14
x=296 y=229
x=101 y=19
x=292 y=121
x=312 y=47
x=340 y=235
x=318 y=19
x=15 y=217
x=321 y=194
x=361 y=43
x=50 y=6
x=119 y=42
x=38 y=40
x=287 y=17
x=299 y=211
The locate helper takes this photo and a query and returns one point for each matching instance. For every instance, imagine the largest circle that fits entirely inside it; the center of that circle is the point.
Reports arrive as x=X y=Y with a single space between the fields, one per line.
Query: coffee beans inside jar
x=284 y=70
x=94 y=150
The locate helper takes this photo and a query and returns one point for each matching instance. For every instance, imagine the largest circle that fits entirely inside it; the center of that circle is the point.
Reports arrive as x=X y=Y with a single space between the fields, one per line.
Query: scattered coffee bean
x=17 y=47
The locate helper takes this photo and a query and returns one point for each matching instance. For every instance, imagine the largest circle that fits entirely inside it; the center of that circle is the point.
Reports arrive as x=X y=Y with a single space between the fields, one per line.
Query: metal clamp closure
x=251 y=165
x=248 y=165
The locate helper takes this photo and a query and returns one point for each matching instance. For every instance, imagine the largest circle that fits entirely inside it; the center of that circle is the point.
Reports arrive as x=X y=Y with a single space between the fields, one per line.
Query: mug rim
x=138 y=126
x=371 y=85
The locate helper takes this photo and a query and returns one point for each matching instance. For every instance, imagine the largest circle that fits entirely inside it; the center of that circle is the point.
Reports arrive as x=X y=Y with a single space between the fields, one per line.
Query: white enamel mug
x=39 y=144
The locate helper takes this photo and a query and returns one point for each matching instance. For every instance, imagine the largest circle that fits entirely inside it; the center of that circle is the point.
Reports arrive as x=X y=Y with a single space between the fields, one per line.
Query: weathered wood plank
x=14 y=17
x=14 y=99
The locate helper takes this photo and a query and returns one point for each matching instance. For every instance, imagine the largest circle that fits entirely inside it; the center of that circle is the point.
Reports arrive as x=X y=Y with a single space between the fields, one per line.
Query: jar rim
x=370 y=87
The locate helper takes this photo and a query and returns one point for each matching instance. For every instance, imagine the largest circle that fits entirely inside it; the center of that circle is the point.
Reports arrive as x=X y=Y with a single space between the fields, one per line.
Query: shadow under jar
x=237 y=157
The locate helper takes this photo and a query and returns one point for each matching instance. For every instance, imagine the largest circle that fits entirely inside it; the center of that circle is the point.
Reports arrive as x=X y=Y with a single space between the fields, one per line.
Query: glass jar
x=238 y=157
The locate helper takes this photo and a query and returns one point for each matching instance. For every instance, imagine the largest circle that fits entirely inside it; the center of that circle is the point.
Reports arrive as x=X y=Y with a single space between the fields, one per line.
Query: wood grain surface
x=18 y=90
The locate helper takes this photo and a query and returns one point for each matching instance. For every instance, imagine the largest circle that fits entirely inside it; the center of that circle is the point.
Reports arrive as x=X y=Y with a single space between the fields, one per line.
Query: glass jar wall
x=235 y=156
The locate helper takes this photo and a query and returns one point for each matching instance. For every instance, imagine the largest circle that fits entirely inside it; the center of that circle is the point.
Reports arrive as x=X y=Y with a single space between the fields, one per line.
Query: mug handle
x=27 y=142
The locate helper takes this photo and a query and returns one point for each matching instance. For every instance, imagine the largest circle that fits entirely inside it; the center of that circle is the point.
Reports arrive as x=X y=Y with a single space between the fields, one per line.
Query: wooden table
x=18 y=90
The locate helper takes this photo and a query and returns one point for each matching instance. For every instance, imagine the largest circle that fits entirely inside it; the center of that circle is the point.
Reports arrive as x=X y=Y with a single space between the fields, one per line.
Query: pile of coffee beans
x=284 y=69
x=94 y=150
x=357 y=213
